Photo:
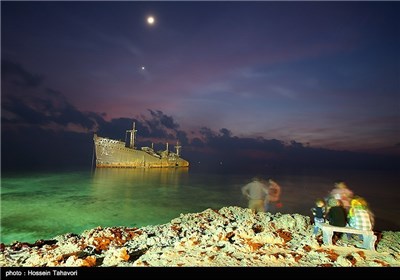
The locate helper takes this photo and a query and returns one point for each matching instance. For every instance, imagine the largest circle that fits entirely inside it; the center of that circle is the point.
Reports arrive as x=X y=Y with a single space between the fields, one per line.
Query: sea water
x=42 y=205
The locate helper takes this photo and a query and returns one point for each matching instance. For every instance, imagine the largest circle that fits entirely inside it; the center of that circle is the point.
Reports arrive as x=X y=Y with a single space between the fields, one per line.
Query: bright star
x=150 y=20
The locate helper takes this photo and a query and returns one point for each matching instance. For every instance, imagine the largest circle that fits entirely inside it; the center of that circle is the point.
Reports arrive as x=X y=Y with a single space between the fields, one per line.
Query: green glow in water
x=42 y=206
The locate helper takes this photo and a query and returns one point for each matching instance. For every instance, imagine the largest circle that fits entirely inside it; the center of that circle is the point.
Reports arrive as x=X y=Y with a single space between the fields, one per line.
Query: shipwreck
x=110 y=153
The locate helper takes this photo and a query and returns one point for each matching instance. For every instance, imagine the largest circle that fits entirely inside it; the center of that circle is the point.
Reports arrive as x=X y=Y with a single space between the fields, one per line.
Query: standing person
x=343 y=193
x=274 y=196
x=318 y=212
x=256 y=192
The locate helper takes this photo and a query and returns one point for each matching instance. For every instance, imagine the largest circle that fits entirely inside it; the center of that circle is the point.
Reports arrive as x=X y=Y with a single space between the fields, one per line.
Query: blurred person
x=360 y=216
x=342 y=192
x=319 y=212
x=257 y=193
x=336 y=214
x=273 y=201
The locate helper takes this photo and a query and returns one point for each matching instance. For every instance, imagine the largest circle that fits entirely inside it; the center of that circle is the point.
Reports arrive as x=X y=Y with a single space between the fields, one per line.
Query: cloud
x=17 y=75
x=40 y=127
x=27 y=101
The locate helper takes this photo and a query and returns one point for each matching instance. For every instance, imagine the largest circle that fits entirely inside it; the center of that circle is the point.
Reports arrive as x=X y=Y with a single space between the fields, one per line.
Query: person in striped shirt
x=360 y=216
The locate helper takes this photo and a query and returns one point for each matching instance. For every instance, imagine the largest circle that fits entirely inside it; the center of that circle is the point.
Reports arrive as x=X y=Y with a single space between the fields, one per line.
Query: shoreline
x=228 y=237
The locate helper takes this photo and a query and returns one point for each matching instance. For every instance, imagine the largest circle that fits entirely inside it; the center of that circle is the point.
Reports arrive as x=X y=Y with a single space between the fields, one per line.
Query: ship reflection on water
x=141 y=191
x=138 y=176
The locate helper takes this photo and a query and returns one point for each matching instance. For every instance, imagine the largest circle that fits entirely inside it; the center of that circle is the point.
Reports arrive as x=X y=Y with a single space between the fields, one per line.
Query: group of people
x=339 y=208
x=342 y=208
x=263 y=195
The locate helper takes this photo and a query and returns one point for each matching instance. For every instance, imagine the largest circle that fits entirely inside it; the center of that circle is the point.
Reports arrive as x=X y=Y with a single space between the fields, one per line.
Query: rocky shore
x=228 y=237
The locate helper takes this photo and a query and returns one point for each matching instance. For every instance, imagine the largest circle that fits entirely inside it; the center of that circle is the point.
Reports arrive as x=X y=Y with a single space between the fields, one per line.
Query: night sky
x=237 y=83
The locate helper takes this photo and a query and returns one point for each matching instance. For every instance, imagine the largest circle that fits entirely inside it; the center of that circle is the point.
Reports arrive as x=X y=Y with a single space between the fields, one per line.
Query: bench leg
x=369 y=242
x=327 y=236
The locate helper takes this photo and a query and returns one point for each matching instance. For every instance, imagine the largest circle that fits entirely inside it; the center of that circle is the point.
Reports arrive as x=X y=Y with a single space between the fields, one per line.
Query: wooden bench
x=369 y=237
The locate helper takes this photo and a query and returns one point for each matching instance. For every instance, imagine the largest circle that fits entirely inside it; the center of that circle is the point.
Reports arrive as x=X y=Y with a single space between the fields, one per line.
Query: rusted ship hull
x=112 y=153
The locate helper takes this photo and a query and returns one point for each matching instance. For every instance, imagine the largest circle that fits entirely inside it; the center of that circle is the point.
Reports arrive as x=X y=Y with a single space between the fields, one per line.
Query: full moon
x=150 y=20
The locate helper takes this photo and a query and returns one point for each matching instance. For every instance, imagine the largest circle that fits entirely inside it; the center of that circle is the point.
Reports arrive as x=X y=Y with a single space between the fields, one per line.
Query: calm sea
x=41 y=205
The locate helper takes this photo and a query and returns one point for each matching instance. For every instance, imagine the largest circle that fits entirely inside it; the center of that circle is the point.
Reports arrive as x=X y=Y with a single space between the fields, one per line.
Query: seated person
x=360 y=217
x=336 y=215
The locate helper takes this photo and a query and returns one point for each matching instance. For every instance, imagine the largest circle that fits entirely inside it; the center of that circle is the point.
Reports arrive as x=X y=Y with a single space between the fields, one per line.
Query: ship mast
x=132 y=138
x=177 y=147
